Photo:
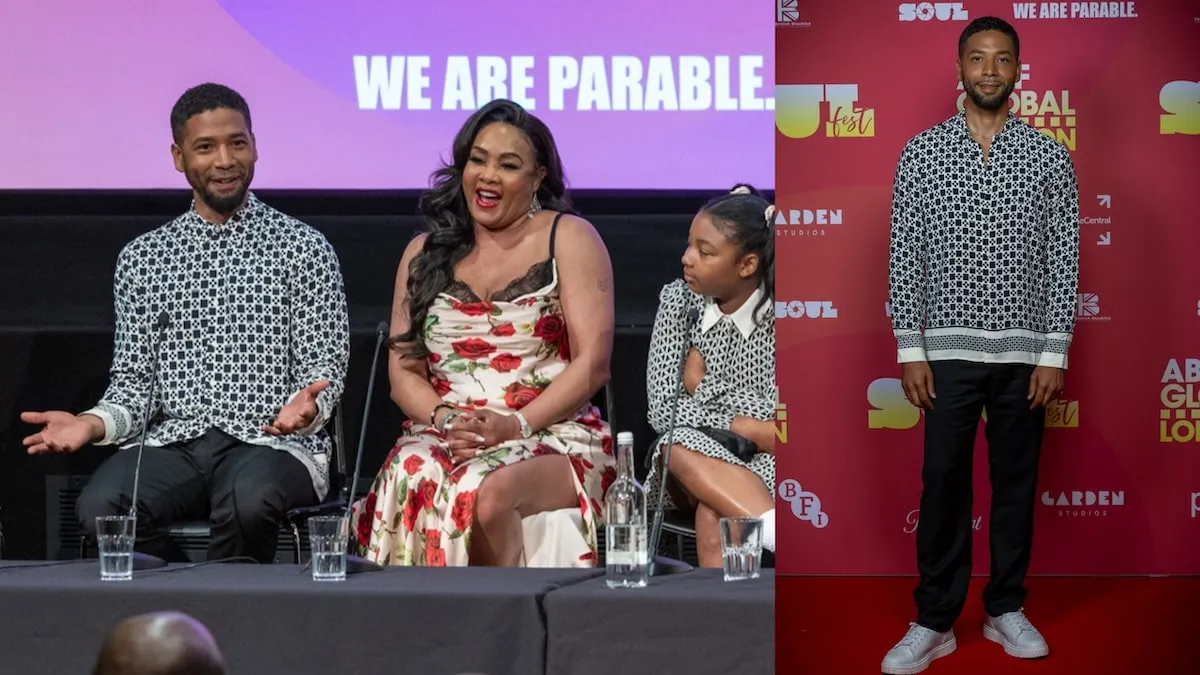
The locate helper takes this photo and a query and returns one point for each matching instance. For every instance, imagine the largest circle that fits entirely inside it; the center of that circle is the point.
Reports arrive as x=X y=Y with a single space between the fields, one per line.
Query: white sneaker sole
x=944 y=649
x=1013 y=650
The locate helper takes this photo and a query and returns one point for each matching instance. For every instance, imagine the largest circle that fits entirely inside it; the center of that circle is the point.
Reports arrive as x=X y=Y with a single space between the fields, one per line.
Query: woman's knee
x=525 y=488
x=708 y=528
x=496 y=497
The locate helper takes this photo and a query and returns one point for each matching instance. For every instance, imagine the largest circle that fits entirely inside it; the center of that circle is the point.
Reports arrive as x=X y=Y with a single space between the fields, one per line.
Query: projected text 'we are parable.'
x=595 y=83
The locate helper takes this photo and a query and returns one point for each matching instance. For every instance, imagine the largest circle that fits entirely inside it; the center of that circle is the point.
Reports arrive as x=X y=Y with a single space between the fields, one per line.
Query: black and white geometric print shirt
x=984 y=256
x=257 y=311
x=739 y=359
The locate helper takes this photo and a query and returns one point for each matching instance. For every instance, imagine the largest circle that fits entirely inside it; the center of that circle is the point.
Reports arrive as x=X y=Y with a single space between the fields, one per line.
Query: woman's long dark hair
x=746 y=219
x=451 y=234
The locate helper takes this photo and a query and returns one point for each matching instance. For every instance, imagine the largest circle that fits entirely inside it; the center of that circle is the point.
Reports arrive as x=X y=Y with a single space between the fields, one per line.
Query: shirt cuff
x=1052 y=360
x=911 y=355
x=106 y=416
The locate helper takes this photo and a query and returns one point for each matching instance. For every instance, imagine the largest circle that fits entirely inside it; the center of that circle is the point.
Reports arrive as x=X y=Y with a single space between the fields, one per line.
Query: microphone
x=144 y=561
x=355 y=564
x=661 y=565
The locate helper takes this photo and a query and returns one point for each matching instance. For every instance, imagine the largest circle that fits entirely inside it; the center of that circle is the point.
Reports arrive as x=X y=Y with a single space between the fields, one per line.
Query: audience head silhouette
x=162 y=643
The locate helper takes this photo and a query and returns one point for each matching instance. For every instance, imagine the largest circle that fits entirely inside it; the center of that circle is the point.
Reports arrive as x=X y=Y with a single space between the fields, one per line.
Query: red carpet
x=1095 y=626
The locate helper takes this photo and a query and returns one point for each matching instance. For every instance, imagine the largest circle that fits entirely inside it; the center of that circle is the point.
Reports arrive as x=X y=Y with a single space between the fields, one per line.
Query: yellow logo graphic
x=1179 y=417
x=890 y=409
x=798 y=110
x=1049 y=112
x=780 y=421
x=1062 y=414
x=1181 y=101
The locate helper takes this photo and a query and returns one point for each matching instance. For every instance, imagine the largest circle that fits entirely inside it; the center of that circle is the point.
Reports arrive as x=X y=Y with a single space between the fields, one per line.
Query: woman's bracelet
x=433 y=414
x=454 y=412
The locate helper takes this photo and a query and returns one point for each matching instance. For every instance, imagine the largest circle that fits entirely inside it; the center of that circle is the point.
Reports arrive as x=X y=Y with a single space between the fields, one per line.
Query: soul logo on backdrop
x=933 y=11
x=1049 y=112
x=1180 y=100
x=805 y=309
x=890 y=409
x=799 y=107
x=1179 y=417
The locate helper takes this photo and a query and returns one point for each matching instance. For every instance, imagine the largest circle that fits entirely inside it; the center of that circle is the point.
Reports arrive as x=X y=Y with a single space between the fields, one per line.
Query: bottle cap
x=625 y=437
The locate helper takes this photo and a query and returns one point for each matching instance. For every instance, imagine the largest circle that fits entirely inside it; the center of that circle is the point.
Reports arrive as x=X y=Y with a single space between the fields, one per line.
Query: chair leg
x=296 y=541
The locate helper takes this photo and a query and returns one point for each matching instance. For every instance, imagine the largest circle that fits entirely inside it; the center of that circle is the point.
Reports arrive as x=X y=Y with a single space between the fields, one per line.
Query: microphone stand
x=661 y=565
x=145 y=561
x=356 y=564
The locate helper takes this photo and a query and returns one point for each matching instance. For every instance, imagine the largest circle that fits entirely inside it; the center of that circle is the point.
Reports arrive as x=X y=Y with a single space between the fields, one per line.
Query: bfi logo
x=806 y=505
x=929 y=11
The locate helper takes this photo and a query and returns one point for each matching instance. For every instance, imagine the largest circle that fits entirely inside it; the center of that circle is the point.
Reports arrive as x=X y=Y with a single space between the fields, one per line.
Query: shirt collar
x=247 y=213
x=744 y=317
x=959 y=124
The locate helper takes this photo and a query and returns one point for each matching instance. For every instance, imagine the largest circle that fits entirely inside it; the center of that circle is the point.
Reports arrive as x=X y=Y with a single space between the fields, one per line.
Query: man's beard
x=990 y=103
x=224 y=205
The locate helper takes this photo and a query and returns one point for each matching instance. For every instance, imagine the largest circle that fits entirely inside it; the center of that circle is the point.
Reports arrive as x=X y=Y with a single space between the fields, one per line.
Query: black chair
x=335 y=498
x=195 y=534
x=681 y=527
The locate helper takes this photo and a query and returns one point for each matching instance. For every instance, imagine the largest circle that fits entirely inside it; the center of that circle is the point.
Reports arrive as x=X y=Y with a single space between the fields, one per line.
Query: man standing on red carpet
x=984 y=266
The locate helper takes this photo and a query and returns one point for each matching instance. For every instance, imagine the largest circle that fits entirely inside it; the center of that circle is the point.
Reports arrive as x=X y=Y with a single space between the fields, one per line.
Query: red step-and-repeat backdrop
x=1118 y=83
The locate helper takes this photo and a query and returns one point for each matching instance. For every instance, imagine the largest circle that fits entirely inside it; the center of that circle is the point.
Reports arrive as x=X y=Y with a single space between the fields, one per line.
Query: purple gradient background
x=87 y=88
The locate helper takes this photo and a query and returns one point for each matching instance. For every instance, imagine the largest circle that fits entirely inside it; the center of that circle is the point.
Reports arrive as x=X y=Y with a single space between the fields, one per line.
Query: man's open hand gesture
x=299 y=413
x=61 y=431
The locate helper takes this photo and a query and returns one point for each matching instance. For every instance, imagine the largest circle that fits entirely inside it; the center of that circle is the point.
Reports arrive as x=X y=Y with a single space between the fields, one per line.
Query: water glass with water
x=741 y=547
x=328 y=537
x=114 y=538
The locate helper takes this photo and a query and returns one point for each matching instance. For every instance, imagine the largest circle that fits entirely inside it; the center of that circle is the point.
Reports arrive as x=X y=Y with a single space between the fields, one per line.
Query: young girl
x=722 y=457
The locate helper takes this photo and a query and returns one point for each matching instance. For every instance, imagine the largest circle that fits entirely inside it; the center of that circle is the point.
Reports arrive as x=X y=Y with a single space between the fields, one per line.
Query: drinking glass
x=328 y=537
x=114 y=538
x=741 y=547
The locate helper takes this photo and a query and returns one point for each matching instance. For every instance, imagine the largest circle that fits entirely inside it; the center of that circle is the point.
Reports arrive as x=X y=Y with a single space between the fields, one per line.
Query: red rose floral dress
x=496 y=354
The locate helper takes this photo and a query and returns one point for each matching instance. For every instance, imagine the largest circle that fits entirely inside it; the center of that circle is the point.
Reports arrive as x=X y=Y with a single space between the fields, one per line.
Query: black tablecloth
x=692 y=623
x=274 y=619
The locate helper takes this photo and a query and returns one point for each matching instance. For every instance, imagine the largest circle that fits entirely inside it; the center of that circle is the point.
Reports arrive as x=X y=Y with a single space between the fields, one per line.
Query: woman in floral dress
x=502 y=329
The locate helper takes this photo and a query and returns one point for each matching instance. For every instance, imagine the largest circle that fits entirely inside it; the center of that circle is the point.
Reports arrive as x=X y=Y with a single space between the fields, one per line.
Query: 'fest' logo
x=799 y=107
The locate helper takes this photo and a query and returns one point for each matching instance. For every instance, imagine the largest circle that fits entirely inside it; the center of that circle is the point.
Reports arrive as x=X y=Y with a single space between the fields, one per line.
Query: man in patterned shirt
x=245 y=311
x=984 y=264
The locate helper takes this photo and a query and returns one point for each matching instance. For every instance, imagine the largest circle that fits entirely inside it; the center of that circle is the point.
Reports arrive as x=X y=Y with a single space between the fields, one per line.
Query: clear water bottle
x=627 y=544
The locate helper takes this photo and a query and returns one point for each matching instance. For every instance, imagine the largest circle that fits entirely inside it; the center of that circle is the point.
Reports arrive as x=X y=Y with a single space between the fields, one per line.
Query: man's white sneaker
x=917 y=650
x=1018 y=637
